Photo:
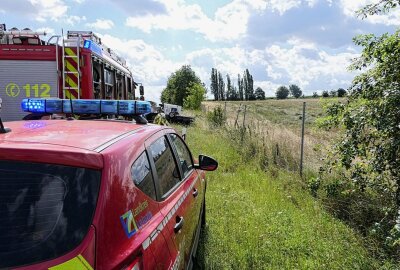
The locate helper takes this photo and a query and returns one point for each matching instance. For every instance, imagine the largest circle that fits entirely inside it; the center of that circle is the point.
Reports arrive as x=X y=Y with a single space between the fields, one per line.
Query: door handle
x=179 y=224
x=195 y=193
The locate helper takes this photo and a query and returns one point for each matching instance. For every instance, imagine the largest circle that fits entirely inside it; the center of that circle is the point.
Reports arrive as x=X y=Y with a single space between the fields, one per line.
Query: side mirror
x=206 y=163
x=141 y=90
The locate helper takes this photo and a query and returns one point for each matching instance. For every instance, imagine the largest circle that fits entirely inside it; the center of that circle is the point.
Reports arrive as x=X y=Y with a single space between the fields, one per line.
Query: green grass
x=259 y=220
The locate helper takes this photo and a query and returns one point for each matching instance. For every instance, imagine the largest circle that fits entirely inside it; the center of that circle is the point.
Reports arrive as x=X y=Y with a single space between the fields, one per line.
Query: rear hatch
x=45 y=210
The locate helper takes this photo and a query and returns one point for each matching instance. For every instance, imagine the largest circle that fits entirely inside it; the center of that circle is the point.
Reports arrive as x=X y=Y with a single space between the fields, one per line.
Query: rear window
x=45 y=210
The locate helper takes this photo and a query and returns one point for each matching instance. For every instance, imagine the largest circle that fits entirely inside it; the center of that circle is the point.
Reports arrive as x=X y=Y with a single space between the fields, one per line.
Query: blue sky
x=306 y=42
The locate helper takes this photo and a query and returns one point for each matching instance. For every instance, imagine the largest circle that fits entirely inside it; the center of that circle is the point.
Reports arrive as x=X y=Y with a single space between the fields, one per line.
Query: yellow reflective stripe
x=68 y=94
x=77 y=263
x=71 y=82
x=70 y=67
x=70 y=52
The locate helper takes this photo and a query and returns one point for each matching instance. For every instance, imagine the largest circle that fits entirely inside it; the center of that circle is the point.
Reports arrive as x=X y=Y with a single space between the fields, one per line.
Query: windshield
x=45 y=210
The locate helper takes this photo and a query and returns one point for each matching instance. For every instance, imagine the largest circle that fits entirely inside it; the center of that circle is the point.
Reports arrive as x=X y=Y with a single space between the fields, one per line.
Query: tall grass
x=266 y=220
x=276 y=125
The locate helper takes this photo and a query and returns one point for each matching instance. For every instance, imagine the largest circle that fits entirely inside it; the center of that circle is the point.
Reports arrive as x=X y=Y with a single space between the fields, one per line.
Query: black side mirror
x=206 y=163
x=141 y=90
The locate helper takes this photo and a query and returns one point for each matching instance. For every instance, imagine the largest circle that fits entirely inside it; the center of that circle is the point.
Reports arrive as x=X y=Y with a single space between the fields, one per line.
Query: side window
x=142 y=177
x=164 y=162
x=185 y=158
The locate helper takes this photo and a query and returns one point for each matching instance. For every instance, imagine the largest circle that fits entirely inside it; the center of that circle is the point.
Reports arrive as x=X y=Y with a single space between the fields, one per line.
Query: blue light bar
x=93 y=46
x=86 y=106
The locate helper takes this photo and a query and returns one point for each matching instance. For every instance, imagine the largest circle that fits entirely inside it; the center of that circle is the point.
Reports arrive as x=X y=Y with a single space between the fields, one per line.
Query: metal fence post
x=302 y=139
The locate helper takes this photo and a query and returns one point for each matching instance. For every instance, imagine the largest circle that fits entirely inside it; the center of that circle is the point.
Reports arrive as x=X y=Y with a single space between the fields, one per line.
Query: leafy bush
x=217 y=117
x=196 y=93
x=325 y=93
x=368 y=153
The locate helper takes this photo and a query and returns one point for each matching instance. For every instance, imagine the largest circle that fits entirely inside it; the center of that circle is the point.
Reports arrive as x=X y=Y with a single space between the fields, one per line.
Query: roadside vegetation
x=265 y=218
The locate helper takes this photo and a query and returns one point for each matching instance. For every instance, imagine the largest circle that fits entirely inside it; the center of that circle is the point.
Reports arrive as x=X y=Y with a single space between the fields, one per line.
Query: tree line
x=229 y=91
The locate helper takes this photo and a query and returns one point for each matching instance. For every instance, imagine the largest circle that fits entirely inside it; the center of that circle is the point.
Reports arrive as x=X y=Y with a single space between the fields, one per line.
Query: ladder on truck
x=71 y=73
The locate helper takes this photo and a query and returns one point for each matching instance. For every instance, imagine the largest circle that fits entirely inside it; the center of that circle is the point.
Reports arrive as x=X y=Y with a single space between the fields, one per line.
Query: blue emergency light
x=86 y=106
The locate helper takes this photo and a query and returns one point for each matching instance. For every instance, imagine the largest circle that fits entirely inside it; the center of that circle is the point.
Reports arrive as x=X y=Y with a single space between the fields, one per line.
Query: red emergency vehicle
x=98 y=194
x=76 y=66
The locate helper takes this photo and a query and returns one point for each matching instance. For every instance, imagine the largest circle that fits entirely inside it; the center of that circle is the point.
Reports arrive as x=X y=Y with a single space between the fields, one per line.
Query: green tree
x=259 y=93
x=315 y=95
x=214 y=83
x=369 y=148
x=381 y=7
x=333 y=93
x=196 y=94
x=341 y=92
x=230 y=90
x=240 y=86
x=221 y=87
x=325 y=93
x=178 y=85
x=168 y=96
x=282 y=92
x=295 y=91
x=248 y=85
x=235 y=93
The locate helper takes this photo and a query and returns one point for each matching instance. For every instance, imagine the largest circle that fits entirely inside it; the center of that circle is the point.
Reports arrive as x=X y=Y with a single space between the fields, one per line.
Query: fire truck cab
x=77 y=66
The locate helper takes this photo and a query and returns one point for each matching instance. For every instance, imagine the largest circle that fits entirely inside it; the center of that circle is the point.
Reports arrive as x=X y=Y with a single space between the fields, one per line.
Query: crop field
x=261 y=218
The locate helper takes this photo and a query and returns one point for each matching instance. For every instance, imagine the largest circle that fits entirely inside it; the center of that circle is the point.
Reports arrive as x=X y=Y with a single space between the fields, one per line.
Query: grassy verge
x=259 y=220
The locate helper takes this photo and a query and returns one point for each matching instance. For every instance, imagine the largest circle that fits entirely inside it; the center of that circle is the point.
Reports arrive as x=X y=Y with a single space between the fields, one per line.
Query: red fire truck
x=75 y=66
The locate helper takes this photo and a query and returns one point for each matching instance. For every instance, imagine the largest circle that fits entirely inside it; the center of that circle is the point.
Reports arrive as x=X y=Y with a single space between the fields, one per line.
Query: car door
x=194 y=187
x=175 y=194
x=159 y=251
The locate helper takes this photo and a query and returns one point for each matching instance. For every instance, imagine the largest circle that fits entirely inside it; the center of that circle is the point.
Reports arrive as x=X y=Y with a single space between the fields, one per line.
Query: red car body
x=129 y=229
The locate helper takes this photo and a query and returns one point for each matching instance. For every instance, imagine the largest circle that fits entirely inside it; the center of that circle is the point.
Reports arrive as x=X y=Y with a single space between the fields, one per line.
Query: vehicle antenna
x=72 y=110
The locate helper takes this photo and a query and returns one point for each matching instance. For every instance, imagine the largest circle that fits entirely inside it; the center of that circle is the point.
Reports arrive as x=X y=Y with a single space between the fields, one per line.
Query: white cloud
x=147 y=63
x=49 y=31
x=101 y=24
x=54 y=10
x=228 y=23
x=267 y=86
x=230 y=20
x=49 y=9
x=73 y=19
x=350 y=7
x=304 y=70
x=283 y=6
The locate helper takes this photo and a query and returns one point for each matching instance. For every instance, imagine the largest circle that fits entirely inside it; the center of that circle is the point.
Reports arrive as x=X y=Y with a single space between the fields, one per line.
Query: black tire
x=171 y=114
